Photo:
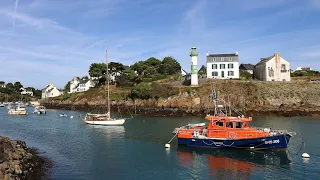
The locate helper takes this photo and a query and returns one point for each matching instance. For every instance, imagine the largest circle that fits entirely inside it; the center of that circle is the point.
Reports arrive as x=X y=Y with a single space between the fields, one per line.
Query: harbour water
x=136 y=150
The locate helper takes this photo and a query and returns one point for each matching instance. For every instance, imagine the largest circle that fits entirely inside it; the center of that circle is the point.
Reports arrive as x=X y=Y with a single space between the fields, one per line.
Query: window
x=214 y=59
x=214 y=66
x=230 y=73
x=230 y=66
x=222 y=59
x=229 y=124
x=230 y=58
x=222 y=66
x=219 y=124
x=239 y=124
x=283 y=68
x=214 y=73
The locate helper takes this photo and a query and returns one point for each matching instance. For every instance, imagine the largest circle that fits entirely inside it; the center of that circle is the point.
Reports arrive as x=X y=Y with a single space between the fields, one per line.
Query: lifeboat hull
x=272 y=142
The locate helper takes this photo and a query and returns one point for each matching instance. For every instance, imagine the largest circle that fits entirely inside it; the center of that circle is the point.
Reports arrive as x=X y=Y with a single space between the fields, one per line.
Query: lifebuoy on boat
x=232 y=135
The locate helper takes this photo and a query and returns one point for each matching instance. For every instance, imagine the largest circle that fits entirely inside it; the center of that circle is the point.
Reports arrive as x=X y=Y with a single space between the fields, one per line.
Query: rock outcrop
x=252 y=97
x=18 y=162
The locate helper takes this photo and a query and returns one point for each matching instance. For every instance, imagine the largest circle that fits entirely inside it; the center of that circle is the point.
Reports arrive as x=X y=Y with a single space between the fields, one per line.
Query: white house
x=2 y=84
x=50 y=91
x=26 y=91
x=80 y=85
x=223 y=66
x=273 y=68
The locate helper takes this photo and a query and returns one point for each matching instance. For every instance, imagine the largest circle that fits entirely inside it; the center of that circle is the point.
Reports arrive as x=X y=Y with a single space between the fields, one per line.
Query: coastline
x=180 y=111
x=18 y=161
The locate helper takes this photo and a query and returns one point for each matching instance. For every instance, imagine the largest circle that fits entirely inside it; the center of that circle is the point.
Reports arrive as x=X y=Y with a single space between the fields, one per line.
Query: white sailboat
x=104 y=119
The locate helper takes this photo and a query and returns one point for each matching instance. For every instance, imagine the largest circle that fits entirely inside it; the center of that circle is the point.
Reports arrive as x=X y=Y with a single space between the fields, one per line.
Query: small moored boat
x=40 y=110
x=105 y=119
x=19 y=110
x=226 y=131
x=63 y=115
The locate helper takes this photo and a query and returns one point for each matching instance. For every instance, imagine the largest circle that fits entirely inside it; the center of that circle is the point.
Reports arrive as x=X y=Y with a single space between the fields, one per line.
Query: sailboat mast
x=107 y=79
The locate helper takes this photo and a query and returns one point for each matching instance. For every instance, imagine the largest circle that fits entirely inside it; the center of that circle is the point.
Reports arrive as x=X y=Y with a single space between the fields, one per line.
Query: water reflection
x=111 y=132
x=232 y=163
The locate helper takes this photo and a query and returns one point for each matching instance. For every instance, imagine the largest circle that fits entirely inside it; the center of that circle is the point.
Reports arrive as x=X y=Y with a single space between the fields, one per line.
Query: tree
x=151 y=70
x=139 y=67
x=67 y=87
x=17 y=86
x=10 y=86
x=115 y=68
x=152 y=61
x=37 y=93
x=97 y=70
x=2 y=82
x=85 y=78
x=128 y=79
x=170 y=66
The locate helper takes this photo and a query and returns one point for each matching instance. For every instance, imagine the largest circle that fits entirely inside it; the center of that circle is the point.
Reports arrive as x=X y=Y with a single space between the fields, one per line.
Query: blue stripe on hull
x=274 y=142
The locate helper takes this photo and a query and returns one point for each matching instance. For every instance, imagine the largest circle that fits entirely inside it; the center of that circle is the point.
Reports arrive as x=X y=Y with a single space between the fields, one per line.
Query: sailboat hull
x=116 y=122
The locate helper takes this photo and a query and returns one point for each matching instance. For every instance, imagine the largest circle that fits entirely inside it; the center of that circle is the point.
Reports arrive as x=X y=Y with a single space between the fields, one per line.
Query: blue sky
x=50 y=41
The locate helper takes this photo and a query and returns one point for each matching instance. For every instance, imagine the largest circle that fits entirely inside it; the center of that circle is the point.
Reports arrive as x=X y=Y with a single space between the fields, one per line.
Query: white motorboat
x=1 y=105
x=19 y=110
x=40 y=110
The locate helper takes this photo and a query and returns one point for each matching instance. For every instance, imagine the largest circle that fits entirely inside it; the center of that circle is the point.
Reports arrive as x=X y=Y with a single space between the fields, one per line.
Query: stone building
x=273 y=68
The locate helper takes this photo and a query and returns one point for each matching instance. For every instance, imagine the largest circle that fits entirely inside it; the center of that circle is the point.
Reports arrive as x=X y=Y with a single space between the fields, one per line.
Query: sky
x=51 y=41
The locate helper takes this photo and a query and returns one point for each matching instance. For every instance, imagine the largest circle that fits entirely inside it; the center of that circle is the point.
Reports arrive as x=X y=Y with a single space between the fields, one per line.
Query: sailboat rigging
x=105 y=119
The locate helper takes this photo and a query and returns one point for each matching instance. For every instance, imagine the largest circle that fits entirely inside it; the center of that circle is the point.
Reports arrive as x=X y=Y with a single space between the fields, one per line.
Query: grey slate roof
x=223 y=55
x=202 y=69
x=264 y=60
x=84 y=81
x=231 y=57
x=246 y=67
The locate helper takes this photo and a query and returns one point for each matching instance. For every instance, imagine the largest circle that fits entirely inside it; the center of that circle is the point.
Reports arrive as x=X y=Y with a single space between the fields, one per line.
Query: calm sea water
x=136 y=151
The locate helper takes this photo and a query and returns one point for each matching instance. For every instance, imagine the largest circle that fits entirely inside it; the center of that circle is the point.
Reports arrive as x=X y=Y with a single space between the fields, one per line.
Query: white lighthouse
x=194 y=69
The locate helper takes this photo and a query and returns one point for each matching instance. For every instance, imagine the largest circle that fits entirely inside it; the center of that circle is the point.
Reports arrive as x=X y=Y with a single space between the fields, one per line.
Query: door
x=222 y=74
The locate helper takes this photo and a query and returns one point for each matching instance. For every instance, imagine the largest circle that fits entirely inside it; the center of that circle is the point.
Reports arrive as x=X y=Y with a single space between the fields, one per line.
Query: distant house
x=247 y=67
x=304 y=69
x=50 y=91
x=26 y=91
x=80 y=85
x=2 y=84
x=203 y=69
x=223 y=66
x=273 y=68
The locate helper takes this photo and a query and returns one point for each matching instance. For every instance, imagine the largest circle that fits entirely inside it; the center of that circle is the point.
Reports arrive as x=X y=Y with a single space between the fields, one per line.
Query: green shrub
x=157 y=77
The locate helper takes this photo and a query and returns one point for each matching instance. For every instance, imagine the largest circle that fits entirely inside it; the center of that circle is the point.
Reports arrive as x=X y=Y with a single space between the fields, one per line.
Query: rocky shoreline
x=180 y=111
x=19 y=162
